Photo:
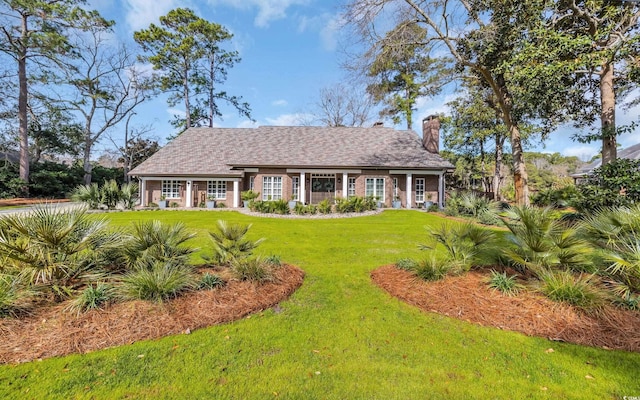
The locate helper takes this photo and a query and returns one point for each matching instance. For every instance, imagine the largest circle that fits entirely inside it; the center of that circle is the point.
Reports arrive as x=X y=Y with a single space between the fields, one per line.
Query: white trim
x=236 y=194
x=190 y=178
x=303 y=188
x=415 y=172
x=143 y=192
x=345 y=182
x=441 y=191
x=324 y=171
x=251 y=169
x=409 y=190
x=189 y=195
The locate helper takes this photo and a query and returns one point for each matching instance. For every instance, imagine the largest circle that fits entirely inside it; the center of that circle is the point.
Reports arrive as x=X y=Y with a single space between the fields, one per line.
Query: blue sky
x=290 y=49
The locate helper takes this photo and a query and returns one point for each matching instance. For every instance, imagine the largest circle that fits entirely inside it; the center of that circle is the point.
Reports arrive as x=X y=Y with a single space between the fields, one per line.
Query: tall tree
x=600 y=40
x=484 y=45
x=104 y=88
x=402 y=71
x=188 y=58
x=35 y=31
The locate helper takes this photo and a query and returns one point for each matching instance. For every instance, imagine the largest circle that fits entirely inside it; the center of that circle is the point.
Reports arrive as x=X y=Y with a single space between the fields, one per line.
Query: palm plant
x=464 y=243
x=89 y=194
x=152 y=241
x=616 y=232
x=15 y=296
x=538 y=241
x=230 y=243
x=129 y=195
x=53 y=247
x=110 y=194
x=157 y=282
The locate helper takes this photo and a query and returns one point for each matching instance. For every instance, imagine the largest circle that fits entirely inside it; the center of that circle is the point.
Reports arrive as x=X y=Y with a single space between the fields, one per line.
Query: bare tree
x=340 y=105
x=104 y=89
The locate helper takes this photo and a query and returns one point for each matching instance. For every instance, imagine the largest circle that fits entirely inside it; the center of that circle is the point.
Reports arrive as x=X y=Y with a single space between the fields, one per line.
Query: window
x=395 y=188
x=351 y=187
x=171 y=189
x=271 y=188
x=419 y=190
x=217 y=190
x=374 y=187
x=252 y=181
x=295 y=188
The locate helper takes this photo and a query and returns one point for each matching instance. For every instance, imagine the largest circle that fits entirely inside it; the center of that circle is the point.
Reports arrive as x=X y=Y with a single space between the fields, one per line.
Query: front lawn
x=337 y=337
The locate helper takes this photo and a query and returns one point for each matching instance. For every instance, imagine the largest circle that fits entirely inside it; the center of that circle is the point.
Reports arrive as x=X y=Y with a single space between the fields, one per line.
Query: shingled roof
x=217 y=151
x=631 y=153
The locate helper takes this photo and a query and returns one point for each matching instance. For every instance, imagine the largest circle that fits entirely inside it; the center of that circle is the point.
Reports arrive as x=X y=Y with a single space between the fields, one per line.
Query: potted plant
x=396 y=202
x=211 y=202
x=162 y=203
x=292 y=203
x=248 y=196
x=428 y=203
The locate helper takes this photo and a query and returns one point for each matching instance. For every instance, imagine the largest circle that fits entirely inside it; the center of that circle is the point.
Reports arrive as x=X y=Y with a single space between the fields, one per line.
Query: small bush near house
x=614 y=184
x=555 y=197
x=507 y=285
x=324 y=207
x=230 y=243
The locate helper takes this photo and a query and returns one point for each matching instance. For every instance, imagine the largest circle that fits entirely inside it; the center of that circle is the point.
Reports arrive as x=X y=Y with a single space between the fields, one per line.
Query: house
x=303 y=163
x=631 y=153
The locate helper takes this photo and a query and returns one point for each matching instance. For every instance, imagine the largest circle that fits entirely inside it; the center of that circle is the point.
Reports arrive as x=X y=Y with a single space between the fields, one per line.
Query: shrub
x=152 y=241
x=324 y=207
x=110 y=194
x=252 y=269
x=221 y=205
x=280 y=207
x=88 y=194
x=230 y=243
x=210 y=281
x=15 y=296
x=406 y=264
x=273 y=260
x=56 y=248
x=157 y=282
x=612 y=185
x=93 y=297
x=562 y=286
x=507 y=285
x=431 y=269
x=465 y=243
x=555 y=197
x=129 y=195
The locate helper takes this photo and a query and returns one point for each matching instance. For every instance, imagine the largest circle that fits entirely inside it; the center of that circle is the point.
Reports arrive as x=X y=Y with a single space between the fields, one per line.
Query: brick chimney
x=431 y=134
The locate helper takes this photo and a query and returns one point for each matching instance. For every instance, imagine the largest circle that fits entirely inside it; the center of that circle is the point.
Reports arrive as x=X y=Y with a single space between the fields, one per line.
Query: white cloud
x=329 y=33
x=583 y=152
x=288 y=119
x=142 y=13
x=268 y=10
x=279 y=103
x=248 y=124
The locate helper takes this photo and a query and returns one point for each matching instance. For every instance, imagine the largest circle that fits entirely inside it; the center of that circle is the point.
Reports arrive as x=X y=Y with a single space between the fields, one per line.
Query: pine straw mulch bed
x=53 y=332
x=468 y=297
x=20 y=201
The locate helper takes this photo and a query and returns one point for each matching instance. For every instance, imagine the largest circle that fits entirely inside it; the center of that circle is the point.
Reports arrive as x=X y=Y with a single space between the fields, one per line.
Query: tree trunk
x=497 y=173
x=608 y=114
x=23 y=127
x=87 y=162
x=187 y=104
x=520 y=176
x=211 y=78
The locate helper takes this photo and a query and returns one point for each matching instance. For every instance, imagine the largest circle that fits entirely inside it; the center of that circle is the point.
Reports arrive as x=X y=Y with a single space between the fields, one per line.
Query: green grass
x=337 y=337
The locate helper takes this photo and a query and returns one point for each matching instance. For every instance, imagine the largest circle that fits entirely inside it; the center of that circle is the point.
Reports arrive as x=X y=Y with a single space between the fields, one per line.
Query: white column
x=441 y=190
x=345 y=182
x=236 y=194
x=303 y=188
x=143 y=192
x=189 y=197
x=409 y=190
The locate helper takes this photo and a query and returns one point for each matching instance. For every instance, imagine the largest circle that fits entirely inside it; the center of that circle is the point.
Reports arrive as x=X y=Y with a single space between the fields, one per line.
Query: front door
x=323 y=186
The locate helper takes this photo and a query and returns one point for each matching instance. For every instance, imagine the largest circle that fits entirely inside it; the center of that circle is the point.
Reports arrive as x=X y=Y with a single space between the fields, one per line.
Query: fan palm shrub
x=537 y=240
x=616 y=232
x=151 y=241
x=129 y=195
x=466 y=244
x=110 y=194
x=88 y=194
x=59 y=249
x=230 y=243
